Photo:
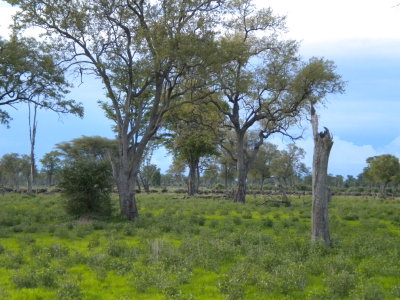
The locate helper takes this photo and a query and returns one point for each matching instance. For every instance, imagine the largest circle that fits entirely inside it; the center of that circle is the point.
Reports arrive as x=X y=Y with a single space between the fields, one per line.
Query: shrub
x=86 y=186
x=340 y=284
x=69 y=290
x=25 y=279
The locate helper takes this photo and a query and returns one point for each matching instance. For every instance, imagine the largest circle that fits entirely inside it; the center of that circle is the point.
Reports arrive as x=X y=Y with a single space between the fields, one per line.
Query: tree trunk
x=193 y=178
x=242 y=168
x=226 y=176
x=197 y=178
x=138 y=187
x=145 y=183
x=125 y=172
x=126 y=191
x=282 y=191
x=382 y=190
x=32 y=137
x=321 y=194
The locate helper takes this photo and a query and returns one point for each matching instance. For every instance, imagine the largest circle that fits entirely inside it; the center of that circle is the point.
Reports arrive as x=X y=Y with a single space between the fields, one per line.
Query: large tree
x=147 y=55
x=261 y=78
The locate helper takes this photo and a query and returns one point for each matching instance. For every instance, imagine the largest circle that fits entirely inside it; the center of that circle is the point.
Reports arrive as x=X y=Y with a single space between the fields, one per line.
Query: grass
x=198 y=249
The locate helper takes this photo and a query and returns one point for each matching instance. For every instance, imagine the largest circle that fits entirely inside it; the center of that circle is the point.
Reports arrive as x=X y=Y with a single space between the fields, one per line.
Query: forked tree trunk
x=125 y=173
x=321 y=194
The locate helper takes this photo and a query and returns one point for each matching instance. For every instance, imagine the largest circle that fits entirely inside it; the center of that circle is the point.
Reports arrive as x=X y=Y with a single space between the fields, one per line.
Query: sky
x=362 y=37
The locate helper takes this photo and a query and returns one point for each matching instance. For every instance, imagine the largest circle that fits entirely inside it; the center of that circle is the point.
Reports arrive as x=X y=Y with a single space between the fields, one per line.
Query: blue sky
x=362 y=37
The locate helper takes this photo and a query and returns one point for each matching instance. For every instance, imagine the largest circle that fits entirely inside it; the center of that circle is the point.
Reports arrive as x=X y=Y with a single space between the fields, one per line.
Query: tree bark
x=193 y=178
x=382 y=190
x=126 y=190
x=125 y=171
x=321 y=194
x=242 y=168
x=145 y=183
x=32 y=137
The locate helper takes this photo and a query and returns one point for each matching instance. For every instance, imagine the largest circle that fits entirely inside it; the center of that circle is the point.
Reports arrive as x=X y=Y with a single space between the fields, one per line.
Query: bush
x=86 y=186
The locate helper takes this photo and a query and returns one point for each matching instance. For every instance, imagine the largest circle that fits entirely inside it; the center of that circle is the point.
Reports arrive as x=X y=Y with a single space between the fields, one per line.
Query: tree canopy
x=147 y=55
x=29 y=73
x=383 y=169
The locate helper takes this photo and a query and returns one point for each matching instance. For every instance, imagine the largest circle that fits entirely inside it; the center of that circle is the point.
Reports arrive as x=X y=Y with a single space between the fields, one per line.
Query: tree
x=177 y=170
x=88 y=147
x=263 y=81
x=15 y=168
x=156 y=178
x=286 y=166
x=383 y=169
x=10 y=167
x=227 y=159
x=261 y=168
x=211 y=173
x=32 y=138
x=147 y=55
x=29 y=73
x=321 y=194
x=51 y=164
x=194 y=135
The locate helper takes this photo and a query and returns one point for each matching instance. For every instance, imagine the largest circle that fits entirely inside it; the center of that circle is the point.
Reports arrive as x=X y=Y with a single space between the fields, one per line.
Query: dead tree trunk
x=32 y=137
x=321 y=194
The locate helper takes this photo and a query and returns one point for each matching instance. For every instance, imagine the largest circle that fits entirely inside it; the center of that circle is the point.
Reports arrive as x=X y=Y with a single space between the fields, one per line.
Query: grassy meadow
x=198 y=249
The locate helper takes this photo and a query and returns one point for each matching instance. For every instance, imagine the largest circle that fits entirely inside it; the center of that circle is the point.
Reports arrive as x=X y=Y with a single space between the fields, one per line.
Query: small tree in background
x=383 y=169
x=51 y=164
x=86 y=186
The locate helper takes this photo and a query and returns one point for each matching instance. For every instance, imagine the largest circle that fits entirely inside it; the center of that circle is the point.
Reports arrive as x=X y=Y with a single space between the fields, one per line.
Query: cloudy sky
x=362 y=37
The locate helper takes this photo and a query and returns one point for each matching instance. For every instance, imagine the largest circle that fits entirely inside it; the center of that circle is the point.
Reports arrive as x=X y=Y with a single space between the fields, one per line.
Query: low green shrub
x=86 y=186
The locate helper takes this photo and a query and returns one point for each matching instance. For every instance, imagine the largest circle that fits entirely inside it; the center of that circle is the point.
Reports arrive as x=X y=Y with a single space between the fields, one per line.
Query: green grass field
x=198 y=249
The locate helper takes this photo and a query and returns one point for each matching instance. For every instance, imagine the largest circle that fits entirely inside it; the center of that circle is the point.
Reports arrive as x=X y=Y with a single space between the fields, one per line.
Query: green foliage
x=28 y=72
x=14 y=169
x=51 y=164
x=87 y=147
x=86 y=186
x=383 y=169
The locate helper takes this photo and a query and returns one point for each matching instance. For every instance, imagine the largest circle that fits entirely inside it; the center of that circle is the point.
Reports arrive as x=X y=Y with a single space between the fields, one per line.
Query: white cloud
x=6 y=13
x=316 y=20
x=347 y=158
x=392 y=148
